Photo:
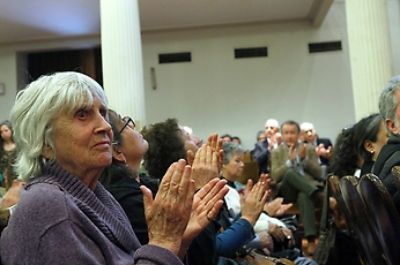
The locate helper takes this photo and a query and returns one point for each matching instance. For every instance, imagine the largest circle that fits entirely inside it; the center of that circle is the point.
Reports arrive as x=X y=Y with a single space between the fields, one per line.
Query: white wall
x=8 y=76
x=394 y=25
x=215 y=92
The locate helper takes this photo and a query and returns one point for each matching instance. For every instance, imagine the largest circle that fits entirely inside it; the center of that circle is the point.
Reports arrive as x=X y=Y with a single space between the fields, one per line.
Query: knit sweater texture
x=59 y=220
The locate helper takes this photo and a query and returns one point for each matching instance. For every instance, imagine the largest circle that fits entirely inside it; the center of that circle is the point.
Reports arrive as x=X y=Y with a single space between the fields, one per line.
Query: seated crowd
x=81 y=185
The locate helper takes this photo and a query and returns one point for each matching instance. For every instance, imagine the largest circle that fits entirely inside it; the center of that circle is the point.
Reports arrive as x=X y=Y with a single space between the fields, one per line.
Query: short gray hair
x=230 y=149
x=387 y=100
x=38 y=105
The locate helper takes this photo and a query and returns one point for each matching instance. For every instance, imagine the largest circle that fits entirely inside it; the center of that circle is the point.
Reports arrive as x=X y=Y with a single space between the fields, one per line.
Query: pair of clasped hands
x=299 y=150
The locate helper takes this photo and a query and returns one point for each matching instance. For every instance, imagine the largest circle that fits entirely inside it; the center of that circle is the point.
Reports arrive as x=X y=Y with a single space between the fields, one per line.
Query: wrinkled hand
x=205 y=166
x=207 y=203
x=276 y=207
x=254 y=198
x=216 y=146
x=168 y=214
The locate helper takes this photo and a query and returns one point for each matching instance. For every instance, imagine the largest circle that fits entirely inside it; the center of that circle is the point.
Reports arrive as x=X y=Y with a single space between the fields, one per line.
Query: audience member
x=272 y=133
x=355 y=151
x=370 y=136
x=226 y=138
x=236 y=140
x=122 y=178
x=296 y=169
x=65 y=216
x=240 y=213
x=167 y=142
x=8 y=154
x=389 y=156
x=272 y=235
x=260 y=153
x=323 y=146
x=260 y=136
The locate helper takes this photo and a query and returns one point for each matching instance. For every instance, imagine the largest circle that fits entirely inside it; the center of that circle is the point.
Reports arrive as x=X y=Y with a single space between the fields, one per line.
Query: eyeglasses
x=128 y=123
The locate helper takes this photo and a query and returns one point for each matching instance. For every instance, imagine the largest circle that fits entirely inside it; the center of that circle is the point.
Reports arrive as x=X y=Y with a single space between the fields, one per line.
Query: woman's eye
x=103 y=112
x=82 y=114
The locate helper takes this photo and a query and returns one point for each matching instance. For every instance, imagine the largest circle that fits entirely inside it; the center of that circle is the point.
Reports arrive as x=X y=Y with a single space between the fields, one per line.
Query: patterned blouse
x=7 y=172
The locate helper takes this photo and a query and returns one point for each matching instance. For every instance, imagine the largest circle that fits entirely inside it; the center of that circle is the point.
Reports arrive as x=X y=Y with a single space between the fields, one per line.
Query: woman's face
x=82 y=141
x=190 y=142
x=234 y=169
x=381 y=139
x=133 y=145
x=6 y=133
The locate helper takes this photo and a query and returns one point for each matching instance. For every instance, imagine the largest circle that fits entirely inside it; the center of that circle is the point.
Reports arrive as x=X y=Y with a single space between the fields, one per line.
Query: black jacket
x=387 y=159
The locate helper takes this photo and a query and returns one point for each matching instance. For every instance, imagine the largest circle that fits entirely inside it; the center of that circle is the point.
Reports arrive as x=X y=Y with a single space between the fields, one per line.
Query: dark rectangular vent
x=251 y=52
x=179 y=57
x=325 y=46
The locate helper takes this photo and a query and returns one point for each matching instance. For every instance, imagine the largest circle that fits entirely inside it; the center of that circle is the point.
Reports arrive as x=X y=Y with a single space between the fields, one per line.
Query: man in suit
x=267 y=140
x=296 y=170
x=323 y=146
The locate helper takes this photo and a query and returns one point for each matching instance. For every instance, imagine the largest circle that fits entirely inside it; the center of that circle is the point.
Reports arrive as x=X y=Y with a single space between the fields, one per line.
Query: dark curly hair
x=166 y=146
x=344 y=159
x=349 y=147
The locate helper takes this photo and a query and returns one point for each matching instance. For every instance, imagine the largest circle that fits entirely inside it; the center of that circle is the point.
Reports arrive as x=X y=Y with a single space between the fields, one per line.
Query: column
x=370 y=54
x=122 y=57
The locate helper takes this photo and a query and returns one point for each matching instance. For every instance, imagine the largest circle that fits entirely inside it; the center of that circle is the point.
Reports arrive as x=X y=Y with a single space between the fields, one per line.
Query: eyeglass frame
x=127 y=120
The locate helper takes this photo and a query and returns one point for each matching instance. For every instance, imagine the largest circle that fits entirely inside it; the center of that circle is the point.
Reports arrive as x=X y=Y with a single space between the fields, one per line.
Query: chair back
x=365 y=235
x=383 y=216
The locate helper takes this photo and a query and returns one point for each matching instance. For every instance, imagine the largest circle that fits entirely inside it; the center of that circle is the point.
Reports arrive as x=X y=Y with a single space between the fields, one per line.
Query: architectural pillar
x=122 y=57
x=370 y=54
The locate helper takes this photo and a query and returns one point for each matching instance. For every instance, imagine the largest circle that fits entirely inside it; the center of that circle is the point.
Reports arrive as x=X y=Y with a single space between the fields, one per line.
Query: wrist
x=249 y=218
x=173 y=246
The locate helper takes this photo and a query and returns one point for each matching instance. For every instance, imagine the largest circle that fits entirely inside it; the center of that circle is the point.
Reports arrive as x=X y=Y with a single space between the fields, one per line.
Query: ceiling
x=27 y=20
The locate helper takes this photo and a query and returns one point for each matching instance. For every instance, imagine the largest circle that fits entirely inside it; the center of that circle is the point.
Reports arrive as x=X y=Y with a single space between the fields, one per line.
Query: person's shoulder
x=44 y=191
x=41 y=207
x=42 y=199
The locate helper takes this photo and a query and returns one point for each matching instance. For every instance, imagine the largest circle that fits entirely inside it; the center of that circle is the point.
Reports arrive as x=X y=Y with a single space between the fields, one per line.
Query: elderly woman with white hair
x=65 y=216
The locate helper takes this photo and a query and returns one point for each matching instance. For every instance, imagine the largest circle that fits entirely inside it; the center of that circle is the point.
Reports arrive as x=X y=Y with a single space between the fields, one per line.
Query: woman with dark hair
x=372 y=136
x=357 y=147
x=122 y=179
x=8 y=154
x=354 y=153
x=167 y=143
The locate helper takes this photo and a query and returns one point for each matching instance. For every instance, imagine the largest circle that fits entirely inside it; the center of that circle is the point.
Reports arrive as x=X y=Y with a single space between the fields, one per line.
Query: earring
x=372 y=152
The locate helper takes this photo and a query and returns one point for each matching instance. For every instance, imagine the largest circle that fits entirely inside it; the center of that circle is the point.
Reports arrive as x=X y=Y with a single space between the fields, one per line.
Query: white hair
x=307 y=126
x=38 y=105
x=272 y=123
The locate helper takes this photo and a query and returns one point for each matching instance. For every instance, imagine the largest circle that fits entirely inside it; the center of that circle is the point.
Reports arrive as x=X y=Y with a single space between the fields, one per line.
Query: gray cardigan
x=59 y=220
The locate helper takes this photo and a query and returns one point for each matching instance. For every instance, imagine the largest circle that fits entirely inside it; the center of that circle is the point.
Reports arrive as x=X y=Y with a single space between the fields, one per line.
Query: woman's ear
x=117 y=153
x=47 y=152
x=368 y=145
